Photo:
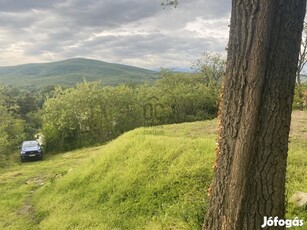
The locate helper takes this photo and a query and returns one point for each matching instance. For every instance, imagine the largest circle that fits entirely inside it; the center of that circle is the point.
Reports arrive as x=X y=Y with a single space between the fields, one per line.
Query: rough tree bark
x=255 y=114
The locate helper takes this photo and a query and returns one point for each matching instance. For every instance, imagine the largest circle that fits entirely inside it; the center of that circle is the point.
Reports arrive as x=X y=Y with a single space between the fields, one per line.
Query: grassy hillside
x=72 y=71
x=149 y=178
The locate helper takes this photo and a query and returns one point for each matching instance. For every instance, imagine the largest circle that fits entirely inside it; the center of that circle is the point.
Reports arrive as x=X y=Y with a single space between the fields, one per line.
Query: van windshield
x=30 y=144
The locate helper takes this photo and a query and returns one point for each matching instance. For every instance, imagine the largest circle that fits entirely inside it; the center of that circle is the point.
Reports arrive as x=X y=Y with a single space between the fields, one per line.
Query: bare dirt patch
x=299 y=125
x=35 y=180
x=27 y=209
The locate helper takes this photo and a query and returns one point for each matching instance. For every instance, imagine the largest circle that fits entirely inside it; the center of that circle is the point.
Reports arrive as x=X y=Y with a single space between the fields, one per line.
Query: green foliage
x=89 y=113
x=211 y=67
x=23 y=105
x=300 y=99
x=11 y=135
x=11 y=130
x=186 y=97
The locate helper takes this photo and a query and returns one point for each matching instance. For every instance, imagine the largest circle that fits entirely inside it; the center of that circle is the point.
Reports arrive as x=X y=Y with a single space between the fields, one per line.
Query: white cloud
x=206 y=28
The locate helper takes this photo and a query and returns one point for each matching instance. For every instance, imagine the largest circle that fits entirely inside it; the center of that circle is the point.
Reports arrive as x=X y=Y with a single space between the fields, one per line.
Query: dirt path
x=299 y=125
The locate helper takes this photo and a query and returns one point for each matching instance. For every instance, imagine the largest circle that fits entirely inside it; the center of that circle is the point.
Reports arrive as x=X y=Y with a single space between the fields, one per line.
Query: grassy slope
x=153 y=178
x=297 y=164
x=72 y=71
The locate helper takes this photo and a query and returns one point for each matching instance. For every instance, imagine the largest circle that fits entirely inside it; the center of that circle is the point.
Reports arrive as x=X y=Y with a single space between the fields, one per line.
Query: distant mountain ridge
x=71 y=71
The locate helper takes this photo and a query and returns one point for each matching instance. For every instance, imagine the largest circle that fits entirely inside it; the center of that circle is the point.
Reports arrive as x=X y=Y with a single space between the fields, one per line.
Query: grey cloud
x=25 y=5
x=63 y=35
x=207 y=9
x=16 y=21
x=106 y=13
x=133 y=29
x=140 y=46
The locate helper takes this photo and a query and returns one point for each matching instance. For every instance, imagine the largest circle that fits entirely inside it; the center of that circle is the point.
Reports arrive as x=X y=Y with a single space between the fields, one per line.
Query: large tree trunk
x=255 y=114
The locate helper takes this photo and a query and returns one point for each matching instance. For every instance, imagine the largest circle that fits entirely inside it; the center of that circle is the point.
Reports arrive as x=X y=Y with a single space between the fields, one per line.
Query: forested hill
x=72 y=71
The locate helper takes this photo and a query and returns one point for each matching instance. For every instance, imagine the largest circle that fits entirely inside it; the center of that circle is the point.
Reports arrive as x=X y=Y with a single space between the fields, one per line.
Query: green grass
x=149 y=178
x=137 y=181
x=297 y=179
x=19 y=183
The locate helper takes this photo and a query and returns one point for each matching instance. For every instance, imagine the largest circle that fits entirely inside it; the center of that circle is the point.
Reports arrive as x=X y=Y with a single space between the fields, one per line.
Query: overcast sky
x=132 y=32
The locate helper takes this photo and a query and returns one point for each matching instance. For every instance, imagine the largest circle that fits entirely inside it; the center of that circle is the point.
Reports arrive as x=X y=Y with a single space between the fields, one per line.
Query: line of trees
x=90 y=113
x=12 y=126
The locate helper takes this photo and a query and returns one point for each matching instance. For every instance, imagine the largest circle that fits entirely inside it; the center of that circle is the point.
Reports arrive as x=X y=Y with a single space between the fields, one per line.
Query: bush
x=91 y=114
